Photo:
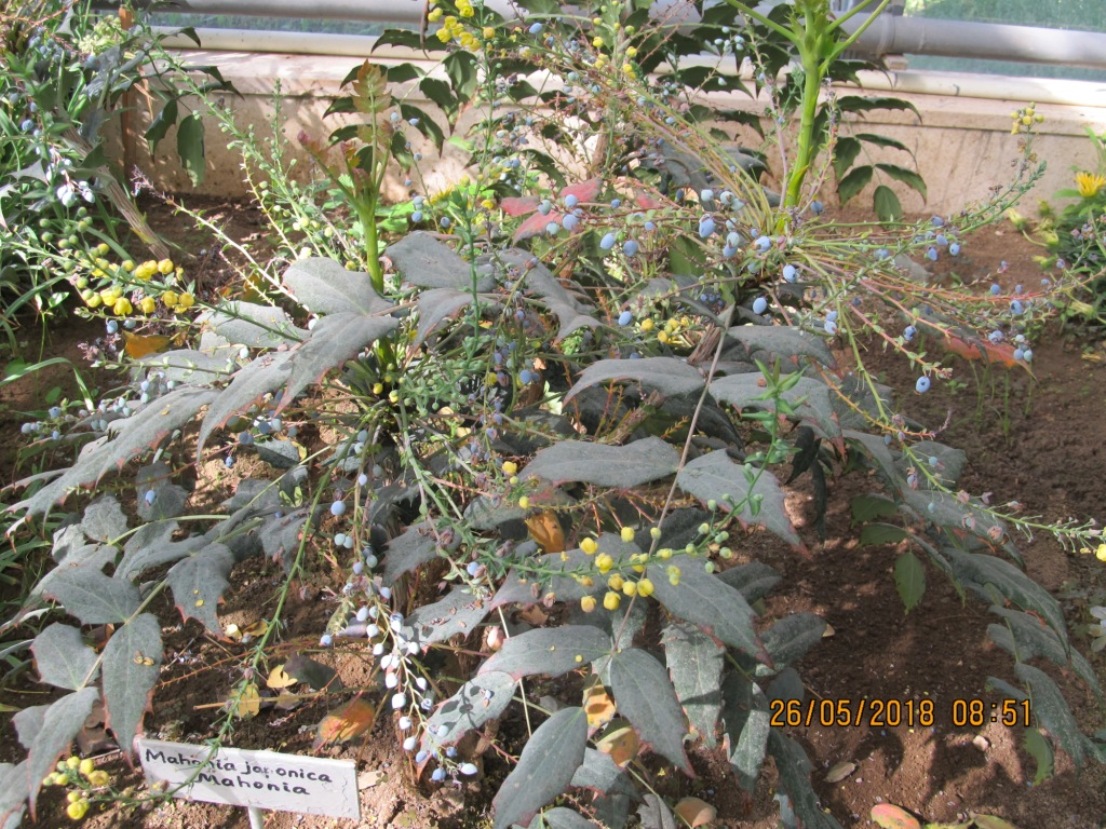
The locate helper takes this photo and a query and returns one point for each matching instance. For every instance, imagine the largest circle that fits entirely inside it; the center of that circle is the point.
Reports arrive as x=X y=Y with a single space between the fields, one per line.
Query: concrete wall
x=962 y=145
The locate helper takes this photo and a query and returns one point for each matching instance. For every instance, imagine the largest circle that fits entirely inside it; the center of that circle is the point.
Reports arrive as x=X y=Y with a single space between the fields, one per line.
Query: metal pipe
x=894 y=35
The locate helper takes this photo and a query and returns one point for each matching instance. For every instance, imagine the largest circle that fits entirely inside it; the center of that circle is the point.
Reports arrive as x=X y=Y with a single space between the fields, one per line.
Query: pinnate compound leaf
x=1050 y=707
x=782 y=341
x=130 y=437
x=198 y=582
x=980 y=570
x=60 y=724
x=705 y=600
x=479 y=700
x=910 y=579
x=94 y=598
x=754 y=495
x=324 y=286
x=794 y=768
x=695 y=662
x=132 y=660
x=62 y=657
x=668 y=375
x=426 y=262
x=622 y=467
x=1025 y=638
x=188 y=366
x=253 y=325
x=549 y=651
x=646 y=698
x=545 y=768
x=809 y=399
x=890 y=816
x=792 y=636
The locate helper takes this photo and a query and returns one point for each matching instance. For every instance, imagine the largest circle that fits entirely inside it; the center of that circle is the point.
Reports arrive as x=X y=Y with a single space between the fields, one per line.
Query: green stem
x=806 y=149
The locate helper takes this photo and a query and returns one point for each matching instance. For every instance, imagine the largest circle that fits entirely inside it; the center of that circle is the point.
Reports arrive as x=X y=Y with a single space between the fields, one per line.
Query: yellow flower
x=627 y=534
x=1089 y=184
x=122 y=307
x=631 y=52
x=597 y=42
x=77 y=810
x=673 y=574
x=604 y=563
x=1100 y=553
x=629 y=588
x=148 y=305
x=165 y=267
x=611 y=600
x=145 y=270
x=170 y=298
x=98 y=778
x=587 y=604
x=72 y=762
x=185 y=301
x=510 y=467
x=86 y=766
x=489 y=33
x=524 y=502
x=589 y=546
x=615 y=582
x=644 y=588
x=434 y=17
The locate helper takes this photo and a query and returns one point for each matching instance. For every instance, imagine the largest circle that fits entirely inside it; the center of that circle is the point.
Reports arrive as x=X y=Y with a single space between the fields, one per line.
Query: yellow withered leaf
x=695 y=812
x=598 y=706
x=620 y=742
x=354 y=718
x=546 y=529
x=248 y=703
x=279 y=678
x=143 y=345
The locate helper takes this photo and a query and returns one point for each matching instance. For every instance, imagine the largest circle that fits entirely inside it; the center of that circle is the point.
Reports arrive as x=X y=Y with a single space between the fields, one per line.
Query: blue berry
x=650 y=226
x=922 y=386
x=112 y=326
x=762 y=243
x=1019 y=354
x=995 y=337
x=438 y=775
x=358 y=568
x=150 y=496
x=228 y=461
x=931 y=254
x=625 y=318
x=937 y=221
x=362 y=614
x=909 y=333
x=552 y=228
x=1016 y=307
x=571 y=201
x=790 y=274
x=338 y=508
x=760 y=305
x=416 y=217
x=817 y=207
x=422 y=756
x=526 y=376
x=245 y=438
x=326 y=640
x=535 y=28
x=570 y=222
x=467 y=769
x=954 y=249
x=545 y=207
x=616 y=203
x=608 y=241
x=630 y=247
x=996 y=289
x=1027 y=355
x=830 y=326
x=706 y=227
x=445 y=221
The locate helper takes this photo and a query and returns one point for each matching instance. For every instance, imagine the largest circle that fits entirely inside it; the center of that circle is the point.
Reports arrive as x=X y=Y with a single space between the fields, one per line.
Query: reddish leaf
x=535 y=225
x=585 y=191
x=1002 y=353
x=519 y=205
x=647 y=202
x=889 y=816
x=354 y=718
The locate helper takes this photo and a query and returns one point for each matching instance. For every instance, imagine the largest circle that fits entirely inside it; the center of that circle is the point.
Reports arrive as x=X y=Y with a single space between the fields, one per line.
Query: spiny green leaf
x=794 y=768
x=910 y=579
x=198 y=582
x=62 y=657
x=103 y=520
x=1040 y=750
x=748 y=751
x=695 y=662
x=60 y=723
x=153 y=546
x=783 y=341
x=12 y=794
x=253 y=325
x=190 y=146
x=601 y=774
x=544 y=769
x=622 y=467
x=877 y=533
x=324 y=286
x=417 y=545
x=808 y=398
x=1050 y=707
x=132 y=659
x=844 y=154
x=424 y=261
x=94 y=598
x=459 y=612
x=791 y=637
x=479 y=700
x=707 y=601
x=264 y=374
x=753 y=495
x=1025 y=638
x=646 y=698
x=668 y=375
x=186 y=365
x=435 y=306
x=854 y=182
x=655 y=814
x=755 y=579
x=907 y=177
x=881 y=141
x=869 y=507
x=887 y=205
x=549 y=651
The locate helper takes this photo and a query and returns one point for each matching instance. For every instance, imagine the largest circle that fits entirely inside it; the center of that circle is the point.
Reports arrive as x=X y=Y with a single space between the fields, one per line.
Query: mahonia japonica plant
x=559 y=404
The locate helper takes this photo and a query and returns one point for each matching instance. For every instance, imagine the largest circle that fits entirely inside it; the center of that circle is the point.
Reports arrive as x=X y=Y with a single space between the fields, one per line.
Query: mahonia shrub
x=559 y=402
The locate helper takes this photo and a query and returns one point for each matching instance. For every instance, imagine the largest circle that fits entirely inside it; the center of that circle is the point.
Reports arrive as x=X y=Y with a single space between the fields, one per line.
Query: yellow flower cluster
x=71 y=771
x=1024 y=118
x=1089 y=184
x=453 y=30
x=1099 y=552
x=618 y=585
x=465 y=9
x=671 y=331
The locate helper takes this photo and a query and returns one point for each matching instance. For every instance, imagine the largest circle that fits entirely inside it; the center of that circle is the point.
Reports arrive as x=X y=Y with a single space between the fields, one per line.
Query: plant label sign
x=257 y=779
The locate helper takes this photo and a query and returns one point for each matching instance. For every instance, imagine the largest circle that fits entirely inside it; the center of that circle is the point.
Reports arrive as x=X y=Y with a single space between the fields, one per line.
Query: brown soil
x=1039 y=444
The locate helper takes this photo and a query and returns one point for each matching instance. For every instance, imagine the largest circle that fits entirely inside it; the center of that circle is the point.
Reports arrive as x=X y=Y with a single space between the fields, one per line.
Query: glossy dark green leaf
x=479 y=700
x=190 y=146
x=94 y=598
x=1040 y=750
x=457 y=613
x=857 y=179
x=795 y=768
x=907 y=177
x=1052 y=710
x=808 y=399
x=877 y=533
x=60 y=723
x=782 y=341
x=545 y=768
x=789 y=638
x=198 y=582
x=910 y=579
x=668 y=375
x=844 y=154
x=424 y=261
x=887 y=205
